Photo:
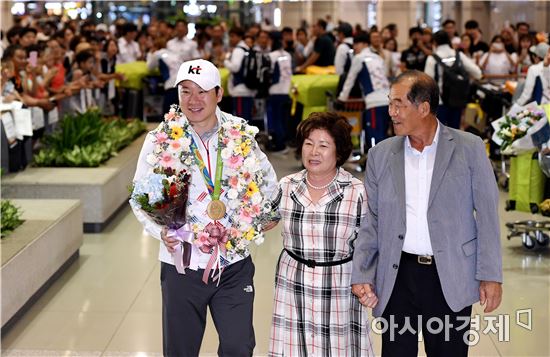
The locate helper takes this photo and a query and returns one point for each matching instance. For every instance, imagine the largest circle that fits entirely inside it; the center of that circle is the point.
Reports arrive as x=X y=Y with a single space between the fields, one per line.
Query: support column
x=6 y=19
x=402 y=13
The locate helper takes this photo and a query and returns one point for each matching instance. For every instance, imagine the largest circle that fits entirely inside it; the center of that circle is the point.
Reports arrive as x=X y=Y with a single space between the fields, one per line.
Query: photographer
x=415 y=56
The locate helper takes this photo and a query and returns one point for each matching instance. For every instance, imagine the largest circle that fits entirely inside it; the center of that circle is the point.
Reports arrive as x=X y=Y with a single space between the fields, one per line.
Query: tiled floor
x=108 y=302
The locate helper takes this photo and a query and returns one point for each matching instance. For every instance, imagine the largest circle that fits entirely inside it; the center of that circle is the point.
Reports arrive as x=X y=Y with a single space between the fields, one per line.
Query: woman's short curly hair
x=336 y=125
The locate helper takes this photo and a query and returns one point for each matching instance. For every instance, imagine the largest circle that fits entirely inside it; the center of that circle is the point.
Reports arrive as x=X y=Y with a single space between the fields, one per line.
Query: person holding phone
x=498 y=64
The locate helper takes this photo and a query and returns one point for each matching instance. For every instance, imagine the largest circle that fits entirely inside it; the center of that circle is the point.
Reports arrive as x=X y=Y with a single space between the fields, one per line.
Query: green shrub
x=10 y=218
x=87 y=140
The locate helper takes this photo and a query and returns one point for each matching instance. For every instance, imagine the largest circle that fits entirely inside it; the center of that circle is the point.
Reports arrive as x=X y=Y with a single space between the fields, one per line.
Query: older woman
x=315 y=313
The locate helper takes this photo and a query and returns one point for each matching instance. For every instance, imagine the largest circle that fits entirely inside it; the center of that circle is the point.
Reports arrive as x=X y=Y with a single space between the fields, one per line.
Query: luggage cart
x=533 y=233
x=352 y=110
x=495 y=103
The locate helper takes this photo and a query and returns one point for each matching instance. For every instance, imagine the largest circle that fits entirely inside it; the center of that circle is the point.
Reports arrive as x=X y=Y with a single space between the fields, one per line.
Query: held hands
x=490 y=295
x=169 y=242
x=366 y=295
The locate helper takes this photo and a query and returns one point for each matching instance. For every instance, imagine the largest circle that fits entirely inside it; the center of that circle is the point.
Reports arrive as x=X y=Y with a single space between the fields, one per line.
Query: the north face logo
x=194 y=70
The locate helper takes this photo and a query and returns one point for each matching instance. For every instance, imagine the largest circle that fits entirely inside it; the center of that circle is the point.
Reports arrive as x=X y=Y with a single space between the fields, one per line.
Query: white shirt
x=536 y=70
x=172 y=61
x=198 y=193
x=419 y=167
x=445 y=51
x=233 y=64
x=498 y=63
x=284 y=60
x=185 y=48
x=377 y=71
x=127 y=51
x=342 y=53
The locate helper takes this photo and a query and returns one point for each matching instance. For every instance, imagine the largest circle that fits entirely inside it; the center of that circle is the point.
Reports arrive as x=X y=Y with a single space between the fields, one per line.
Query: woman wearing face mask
x=321 y=207
x=498 y=64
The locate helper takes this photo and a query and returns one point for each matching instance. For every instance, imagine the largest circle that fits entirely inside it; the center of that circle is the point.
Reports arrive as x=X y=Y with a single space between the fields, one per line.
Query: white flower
x=226 y=153
x=152 y=159
x=228 y=172
x=185 y=143
x=233 y=204
x=526 y=112
x=257 y=198
x=244 y=227
x=259 y=239
x=252 y=130
x=232 y=194
x=178 y=166
x=188 y=161
x=227 y=125
x=250 y=164
x=230 y=145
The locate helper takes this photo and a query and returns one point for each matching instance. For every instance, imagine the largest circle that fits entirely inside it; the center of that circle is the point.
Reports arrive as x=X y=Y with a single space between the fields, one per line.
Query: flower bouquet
x=164 y=197
x=514 y=132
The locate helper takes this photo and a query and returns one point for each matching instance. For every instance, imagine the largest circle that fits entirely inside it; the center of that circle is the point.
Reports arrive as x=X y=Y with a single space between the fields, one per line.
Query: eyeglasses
x=396 y=106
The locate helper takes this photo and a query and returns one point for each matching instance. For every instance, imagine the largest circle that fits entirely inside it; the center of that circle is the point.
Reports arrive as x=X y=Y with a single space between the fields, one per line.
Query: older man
x=430 y=245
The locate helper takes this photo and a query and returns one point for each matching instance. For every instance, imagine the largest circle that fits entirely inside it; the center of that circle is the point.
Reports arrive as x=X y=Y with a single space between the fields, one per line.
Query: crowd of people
x=72 y=66
x=337 y=231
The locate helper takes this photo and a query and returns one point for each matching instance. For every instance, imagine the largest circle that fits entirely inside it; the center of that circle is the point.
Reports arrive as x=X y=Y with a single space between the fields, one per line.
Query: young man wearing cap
x=185 y=297
x=537 y=82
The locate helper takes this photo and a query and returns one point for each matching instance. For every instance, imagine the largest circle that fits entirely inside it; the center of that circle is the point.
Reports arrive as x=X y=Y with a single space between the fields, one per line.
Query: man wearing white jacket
x=449 y=116
x=243 y=97
x=278 y=102
x=537 y=83
x=369 y=69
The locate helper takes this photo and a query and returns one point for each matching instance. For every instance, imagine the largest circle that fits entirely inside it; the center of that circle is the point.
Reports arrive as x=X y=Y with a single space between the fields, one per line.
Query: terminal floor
x=108 y=302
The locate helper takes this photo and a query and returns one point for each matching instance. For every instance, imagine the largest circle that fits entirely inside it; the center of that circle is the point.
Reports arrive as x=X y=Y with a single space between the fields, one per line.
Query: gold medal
x=216 y=209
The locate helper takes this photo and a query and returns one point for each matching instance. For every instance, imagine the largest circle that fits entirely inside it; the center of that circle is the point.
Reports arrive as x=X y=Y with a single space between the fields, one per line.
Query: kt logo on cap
x=194 y=70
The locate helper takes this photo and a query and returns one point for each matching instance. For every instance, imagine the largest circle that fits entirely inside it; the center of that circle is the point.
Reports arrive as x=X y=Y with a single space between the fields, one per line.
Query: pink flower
x=161 y=137
x=235 y=162
x=234 y=232
x=171 y=115
x=247 y=176
x=234 y=133
x=256 y=210
x=233 y=181
x=166 y=160
x=245 y=216
x=225 y=140
x=175 y=145
x=202 y=238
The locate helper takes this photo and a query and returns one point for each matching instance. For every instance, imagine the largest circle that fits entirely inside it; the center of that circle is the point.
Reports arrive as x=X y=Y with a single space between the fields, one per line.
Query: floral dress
x=315 y=312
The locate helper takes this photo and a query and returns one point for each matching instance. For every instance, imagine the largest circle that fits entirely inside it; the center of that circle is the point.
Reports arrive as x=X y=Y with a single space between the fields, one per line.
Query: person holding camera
x=415 y=56
x=498 y=64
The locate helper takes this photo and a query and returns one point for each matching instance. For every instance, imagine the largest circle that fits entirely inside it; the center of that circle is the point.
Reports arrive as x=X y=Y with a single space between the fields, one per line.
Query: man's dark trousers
x=185 y=299
x=417 y=291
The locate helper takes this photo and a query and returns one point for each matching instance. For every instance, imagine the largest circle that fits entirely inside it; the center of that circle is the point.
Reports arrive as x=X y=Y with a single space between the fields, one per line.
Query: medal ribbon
x=214 y=189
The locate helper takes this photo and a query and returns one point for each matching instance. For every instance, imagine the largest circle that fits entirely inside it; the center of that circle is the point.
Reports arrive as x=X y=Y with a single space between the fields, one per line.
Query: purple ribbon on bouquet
x=182 y=255
x=218 y=237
